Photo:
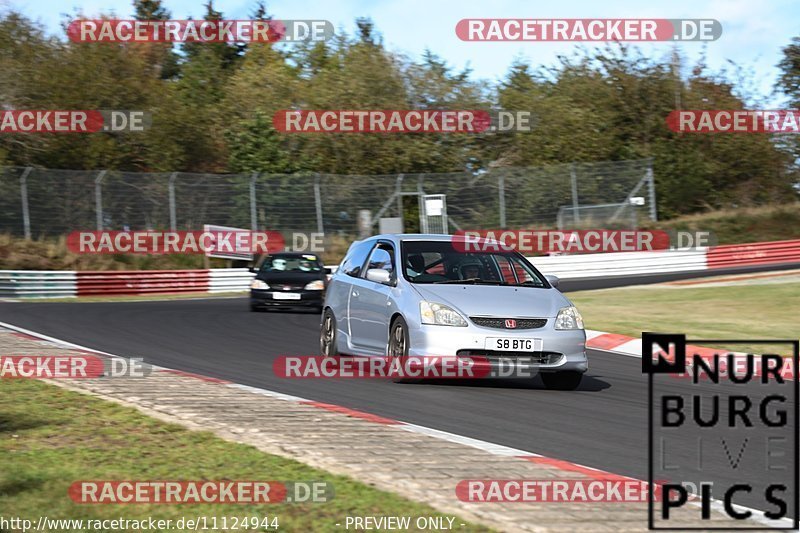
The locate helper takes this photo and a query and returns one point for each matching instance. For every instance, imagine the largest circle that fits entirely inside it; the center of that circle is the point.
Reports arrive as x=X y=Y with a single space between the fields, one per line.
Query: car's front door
x=370 y=304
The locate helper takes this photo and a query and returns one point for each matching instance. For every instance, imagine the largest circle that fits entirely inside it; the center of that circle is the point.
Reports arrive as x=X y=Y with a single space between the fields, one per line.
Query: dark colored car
x=289 y=280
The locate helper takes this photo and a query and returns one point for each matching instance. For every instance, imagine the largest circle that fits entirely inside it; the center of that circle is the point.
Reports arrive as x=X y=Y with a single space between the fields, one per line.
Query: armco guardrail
x=759 y=253
x=37 y=284
x=141 y=282
x=229 y=280
x=58 y=284
x=620 y=264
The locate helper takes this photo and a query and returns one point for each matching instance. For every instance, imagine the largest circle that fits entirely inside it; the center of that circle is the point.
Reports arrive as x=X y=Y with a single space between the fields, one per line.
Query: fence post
x=575 y=205
x=173 y=224
x=23 y=191
x=98 y=198
x=398 y=191
x=501 y=191
x=318 y=204
x=253 y=216
x=423 y=219
x=651 y=193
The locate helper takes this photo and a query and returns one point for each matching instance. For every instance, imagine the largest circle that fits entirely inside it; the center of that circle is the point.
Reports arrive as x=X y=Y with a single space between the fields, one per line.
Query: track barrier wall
x=18 y=284
x=762 y=253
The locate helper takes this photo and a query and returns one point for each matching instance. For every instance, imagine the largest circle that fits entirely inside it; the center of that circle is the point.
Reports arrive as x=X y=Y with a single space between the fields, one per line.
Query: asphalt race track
x=603 y=424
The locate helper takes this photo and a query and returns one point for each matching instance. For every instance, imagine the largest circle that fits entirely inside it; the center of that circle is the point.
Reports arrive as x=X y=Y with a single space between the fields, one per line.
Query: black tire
x=327 y=335
x=398 y=345
x=254 y=308
x=567 y=380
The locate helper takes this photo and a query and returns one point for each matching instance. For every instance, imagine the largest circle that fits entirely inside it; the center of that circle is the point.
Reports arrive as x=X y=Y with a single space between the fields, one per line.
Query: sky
x=754 y=32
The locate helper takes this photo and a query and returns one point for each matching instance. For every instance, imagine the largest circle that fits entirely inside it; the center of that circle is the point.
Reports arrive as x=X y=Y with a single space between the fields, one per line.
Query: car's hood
x=289 y=277
x=492 y=300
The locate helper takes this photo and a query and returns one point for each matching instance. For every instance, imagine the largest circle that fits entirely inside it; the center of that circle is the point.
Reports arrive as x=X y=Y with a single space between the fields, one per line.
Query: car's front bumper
x=266 y=298
x=561 y=350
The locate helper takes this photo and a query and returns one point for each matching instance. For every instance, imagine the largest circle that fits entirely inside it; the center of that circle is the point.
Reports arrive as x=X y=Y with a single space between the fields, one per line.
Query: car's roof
x=414 y=237
x=293 y=254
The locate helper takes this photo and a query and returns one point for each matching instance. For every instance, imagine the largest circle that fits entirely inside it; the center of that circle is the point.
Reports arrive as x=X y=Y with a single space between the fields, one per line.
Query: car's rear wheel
x=327 y=334
x=399 y=345
x=567 y=380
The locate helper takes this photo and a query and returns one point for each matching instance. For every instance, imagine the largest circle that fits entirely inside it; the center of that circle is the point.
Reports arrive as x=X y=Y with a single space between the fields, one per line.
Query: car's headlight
x=569 y=318
x=258 y=284
x=440 y=314
x=316 y=285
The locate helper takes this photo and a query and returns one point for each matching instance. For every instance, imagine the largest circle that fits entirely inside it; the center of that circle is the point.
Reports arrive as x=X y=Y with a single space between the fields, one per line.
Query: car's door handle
x=355 y=294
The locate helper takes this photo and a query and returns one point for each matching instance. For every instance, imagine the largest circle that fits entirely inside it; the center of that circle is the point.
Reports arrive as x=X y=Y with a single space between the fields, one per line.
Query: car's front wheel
x=399 y=345
x=327 y=334
x=566 y=380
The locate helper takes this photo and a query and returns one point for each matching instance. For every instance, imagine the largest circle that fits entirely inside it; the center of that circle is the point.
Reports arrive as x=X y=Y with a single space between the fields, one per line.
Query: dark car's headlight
x=316 y=285
x=258 y=284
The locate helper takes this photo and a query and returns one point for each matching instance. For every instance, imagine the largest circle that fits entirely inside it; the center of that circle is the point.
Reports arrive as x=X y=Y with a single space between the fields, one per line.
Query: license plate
x=513 y=345
x=285 y=296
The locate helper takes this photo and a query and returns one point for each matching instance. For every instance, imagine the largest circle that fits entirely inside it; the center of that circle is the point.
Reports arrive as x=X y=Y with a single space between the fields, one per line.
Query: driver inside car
x=470 y=270
x=415 y=265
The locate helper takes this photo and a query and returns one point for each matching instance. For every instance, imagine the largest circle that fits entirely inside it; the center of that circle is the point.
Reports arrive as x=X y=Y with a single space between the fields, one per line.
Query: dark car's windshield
x=291 y=263
x=441 y=262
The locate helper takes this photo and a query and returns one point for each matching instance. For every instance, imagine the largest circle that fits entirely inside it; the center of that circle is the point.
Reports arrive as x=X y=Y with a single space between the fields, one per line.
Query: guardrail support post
x=23 y=191
x=253 y=216
x=98 y=198
x=173 y=223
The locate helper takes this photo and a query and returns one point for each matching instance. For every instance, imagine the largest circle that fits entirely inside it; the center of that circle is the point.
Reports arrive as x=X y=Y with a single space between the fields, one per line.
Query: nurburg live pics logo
x=728 y=437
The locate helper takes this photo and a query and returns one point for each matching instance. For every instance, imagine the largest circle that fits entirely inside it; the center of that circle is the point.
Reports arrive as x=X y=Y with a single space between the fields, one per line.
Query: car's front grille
x=509 y=323
x=534 y=358
x=287 y=286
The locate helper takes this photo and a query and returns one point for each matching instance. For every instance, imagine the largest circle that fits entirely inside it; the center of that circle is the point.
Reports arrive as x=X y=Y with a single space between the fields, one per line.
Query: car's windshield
x=441 y=262
x=291 y=263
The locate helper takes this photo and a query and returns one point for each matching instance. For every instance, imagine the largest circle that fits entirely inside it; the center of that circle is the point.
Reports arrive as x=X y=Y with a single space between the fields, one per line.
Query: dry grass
x=750 y=224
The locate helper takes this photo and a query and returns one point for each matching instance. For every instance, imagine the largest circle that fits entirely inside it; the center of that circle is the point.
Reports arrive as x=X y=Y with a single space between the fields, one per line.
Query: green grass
x=50 y=437
x=762 y=311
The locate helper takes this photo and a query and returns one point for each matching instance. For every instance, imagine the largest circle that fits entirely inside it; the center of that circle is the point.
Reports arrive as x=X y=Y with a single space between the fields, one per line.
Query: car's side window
x=382 y=257
x=355 y=259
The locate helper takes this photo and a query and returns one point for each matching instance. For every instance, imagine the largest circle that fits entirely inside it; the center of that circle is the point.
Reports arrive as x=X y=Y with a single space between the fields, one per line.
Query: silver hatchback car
x=422 y=295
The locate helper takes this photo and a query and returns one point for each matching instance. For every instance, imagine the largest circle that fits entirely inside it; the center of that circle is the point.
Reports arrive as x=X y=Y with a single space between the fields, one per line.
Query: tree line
x=212 y=107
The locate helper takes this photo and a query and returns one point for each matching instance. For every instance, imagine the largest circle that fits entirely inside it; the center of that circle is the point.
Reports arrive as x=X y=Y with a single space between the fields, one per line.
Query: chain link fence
x=38 y=202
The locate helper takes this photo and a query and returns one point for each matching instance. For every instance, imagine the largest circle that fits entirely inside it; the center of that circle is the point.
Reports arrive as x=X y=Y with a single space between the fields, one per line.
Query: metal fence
x=46 y=202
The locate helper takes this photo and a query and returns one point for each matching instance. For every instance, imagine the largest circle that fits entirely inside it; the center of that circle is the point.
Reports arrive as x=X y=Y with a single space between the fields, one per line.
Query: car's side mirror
x=379 y=275
x=553 y=280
